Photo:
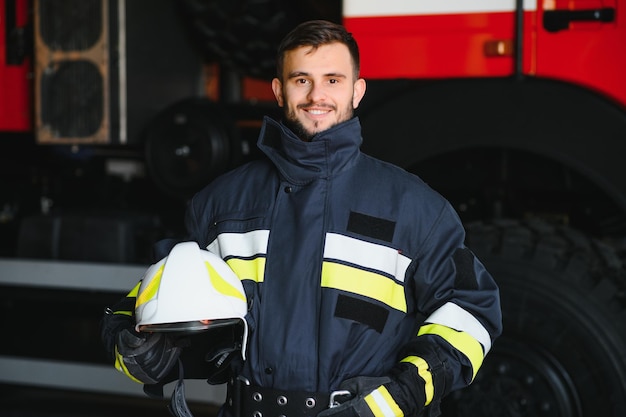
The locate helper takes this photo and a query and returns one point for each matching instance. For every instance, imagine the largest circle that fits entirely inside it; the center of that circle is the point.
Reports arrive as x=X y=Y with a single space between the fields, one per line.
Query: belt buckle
x=243 y=380
x=332 y=402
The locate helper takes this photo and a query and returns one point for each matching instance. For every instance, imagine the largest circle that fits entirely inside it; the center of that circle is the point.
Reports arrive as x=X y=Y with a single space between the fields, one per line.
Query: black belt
x=253 y=401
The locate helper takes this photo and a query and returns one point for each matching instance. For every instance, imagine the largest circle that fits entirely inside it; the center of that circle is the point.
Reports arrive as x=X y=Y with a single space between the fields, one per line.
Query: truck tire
x=243 y=35
x=563 y=348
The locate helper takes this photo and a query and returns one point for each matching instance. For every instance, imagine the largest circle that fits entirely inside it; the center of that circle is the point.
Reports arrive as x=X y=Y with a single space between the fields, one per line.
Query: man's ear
x=359 y=92
x=277 y=88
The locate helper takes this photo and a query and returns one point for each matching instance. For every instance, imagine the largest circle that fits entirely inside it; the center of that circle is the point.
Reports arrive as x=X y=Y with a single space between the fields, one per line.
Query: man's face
x=318 y=89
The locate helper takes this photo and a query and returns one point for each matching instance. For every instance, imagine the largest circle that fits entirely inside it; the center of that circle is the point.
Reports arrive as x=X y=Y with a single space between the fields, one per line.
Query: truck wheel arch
x=573 y=126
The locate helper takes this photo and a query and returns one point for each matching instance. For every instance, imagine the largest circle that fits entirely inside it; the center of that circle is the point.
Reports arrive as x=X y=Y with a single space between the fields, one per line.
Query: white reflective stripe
x=372 y=8
x=382 y=404
x=242 y=245
x=366 y=254
x=454 y=317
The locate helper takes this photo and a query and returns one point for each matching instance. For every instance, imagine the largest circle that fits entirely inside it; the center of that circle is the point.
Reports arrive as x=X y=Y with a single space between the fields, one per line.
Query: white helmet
x=189 y=290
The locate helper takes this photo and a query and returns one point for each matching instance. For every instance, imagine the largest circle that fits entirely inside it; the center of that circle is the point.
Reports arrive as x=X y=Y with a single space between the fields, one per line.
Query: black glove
x=373 y=396
x=146 y=357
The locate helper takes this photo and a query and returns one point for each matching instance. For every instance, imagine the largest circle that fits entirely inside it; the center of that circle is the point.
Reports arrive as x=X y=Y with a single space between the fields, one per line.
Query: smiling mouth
x=317 y=112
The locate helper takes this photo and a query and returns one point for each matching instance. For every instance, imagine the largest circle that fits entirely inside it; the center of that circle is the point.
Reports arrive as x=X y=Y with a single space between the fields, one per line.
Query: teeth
x=317 y=111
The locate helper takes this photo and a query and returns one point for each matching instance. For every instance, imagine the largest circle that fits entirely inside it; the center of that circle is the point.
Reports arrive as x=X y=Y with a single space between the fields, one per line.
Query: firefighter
x=362 y=297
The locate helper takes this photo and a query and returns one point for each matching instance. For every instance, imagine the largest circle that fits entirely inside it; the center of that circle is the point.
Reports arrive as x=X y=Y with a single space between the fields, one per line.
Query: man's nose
x=317 y=92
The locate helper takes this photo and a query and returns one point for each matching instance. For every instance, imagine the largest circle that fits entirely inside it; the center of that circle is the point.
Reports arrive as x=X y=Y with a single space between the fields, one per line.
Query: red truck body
x=434 y=39
x=15 y=67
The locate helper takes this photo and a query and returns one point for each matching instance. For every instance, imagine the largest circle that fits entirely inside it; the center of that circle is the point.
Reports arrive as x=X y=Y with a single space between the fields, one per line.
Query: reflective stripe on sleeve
x=424 y=373
x=455 y=317
x=382 y=403
x=461 y=341
x=243 y=252
x=252 y=269
x=240 y=245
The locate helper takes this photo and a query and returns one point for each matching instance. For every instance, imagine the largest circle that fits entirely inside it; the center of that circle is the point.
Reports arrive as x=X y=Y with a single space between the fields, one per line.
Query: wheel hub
x=518 y=380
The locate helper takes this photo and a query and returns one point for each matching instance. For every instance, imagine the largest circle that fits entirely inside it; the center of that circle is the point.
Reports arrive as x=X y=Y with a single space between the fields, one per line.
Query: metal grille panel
x=72 y=97
x=70 y=25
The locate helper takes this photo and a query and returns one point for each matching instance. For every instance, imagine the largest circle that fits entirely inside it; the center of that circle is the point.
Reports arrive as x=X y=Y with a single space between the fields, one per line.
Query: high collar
x=300 y=162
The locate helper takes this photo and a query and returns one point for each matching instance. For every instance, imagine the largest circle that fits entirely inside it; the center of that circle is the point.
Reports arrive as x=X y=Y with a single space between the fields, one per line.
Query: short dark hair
x=315 y=33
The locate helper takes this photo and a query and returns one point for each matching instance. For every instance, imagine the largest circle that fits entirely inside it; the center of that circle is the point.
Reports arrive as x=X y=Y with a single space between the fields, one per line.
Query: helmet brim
x=188 y=326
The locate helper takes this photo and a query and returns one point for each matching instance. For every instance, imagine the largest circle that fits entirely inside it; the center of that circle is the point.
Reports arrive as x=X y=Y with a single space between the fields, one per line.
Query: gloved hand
x=146 y=357
x=381 y=396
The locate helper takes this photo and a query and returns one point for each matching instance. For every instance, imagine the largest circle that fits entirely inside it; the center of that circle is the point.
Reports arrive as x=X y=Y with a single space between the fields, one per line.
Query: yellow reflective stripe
x=366 y=283
x=253 y=269
x=382 y=403
x=134 y=291
x=455 y=317
x=221 y=285
x=151 y=289
x=124 y=313
x=120 y=366
x=131 y=294
x=366 y=255
x=424 y=372
x=461 y=341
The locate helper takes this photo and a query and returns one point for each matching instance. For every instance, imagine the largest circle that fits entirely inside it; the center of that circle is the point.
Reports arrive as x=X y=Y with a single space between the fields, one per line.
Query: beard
x=296 y=126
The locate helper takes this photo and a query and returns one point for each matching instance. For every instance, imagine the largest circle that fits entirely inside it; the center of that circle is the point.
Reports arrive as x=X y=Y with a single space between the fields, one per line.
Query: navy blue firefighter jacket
x=349 y=264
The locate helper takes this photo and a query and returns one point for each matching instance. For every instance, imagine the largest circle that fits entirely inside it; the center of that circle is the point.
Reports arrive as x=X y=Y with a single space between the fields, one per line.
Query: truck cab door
x=583 y=42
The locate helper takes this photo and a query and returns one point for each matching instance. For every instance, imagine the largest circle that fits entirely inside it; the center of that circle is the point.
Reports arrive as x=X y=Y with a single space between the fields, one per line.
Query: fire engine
x=113 y=112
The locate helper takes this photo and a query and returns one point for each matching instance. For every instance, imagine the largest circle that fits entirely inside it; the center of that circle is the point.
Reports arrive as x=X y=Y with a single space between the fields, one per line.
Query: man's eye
x=301 y=81
x=333 y=81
